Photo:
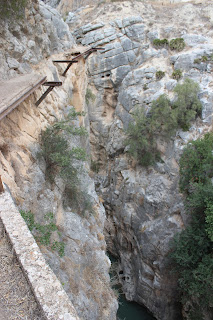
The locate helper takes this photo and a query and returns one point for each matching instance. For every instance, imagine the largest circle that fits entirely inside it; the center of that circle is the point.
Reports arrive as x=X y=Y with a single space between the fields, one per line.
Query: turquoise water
x=129 y=310
x=132 y=311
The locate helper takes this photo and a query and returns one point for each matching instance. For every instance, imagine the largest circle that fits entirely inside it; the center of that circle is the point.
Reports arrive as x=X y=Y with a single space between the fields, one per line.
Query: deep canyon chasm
x=137 y=211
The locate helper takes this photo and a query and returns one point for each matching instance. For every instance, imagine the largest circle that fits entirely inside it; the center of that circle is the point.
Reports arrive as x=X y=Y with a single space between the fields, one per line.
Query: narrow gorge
x=130 y=210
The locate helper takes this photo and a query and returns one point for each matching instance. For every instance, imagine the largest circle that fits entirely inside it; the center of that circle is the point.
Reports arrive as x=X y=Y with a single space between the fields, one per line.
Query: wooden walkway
x=15 y=91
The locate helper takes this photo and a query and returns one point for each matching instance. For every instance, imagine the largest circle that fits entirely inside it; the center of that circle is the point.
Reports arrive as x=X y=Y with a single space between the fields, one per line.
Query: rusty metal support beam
x=70 y=62
x=1 y=186
x=51 y=85
x=65 y=61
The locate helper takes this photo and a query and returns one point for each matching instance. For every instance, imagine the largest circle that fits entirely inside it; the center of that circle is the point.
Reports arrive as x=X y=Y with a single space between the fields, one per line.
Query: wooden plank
x=15 y=91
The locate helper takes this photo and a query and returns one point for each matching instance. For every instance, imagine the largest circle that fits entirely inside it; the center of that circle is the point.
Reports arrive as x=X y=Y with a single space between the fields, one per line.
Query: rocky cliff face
x=144 y=206
x=28 y=46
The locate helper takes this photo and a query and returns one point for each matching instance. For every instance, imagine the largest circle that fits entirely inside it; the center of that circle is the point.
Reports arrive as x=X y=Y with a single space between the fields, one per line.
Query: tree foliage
x=12 y=8
x=43 y=232
x=187 y=103
x=142 y=133
x=196 y=163
x=163 y=119
x=192 y=248
x=64 y=160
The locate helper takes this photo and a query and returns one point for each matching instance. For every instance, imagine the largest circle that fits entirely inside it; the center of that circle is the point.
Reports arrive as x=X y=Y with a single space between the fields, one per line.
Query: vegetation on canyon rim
x=192 y=248
x=63 y=160
x=12 y=8
x=163 y=119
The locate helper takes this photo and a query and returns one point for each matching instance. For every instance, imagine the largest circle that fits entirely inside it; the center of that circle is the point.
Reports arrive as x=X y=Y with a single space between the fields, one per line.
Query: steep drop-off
x=144 y=206
x=27 y=46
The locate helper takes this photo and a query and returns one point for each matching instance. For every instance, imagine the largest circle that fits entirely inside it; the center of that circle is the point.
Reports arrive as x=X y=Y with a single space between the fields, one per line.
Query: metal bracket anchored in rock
x=70 y=62
x=51 y=85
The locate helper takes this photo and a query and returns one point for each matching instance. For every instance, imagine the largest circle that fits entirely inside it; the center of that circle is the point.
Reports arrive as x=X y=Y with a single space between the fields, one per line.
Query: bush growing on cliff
x=192 y=248
x=43 y=232
x=159 y=75
x=160 y=43
x=187 y=103
x=177 y=74
x=162 y=120
x=55 y=148
x=12 y=8
x=89 y=96
x=142 y=133
x=177 y=44
x=61 y=158
x=196 y=163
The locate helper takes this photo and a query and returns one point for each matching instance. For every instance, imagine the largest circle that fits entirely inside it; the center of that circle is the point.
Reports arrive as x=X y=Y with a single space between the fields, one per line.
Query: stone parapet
x=47 y=289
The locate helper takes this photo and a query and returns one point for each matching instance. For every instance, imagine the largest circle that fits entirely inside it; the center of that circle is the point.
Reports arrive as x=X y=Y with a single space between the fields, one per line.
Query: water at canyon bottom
x=129 y=310
x=132 y=311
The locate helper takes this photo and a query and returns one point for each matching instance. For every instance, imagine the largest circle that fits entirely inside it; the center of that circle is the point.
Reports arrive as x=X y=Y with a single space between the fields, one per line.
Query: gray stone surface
x=144 y=206
x=40 y=34
x=195 y=39
x=47 y=289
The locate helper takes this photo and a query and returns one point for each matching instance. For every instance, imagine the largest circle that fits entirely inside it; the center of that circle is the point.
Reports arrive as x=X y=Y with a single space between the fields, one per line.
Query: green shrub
x=192 y=248
x=192 y=257
x=204 y=59
x=197 y=61
x=55 y=149
x=95 y=166
x=160 y=43
x=89 y=96
x=162 y=120
x=145 y=87
x=196 y=163
x=43 y=232
x=142 y=133
x=209 y=219
x=61 y=159
x=177 y=44
x=187 y=103
x=139 y=145
x=177 y=74
x=12 y=8
x=159 y=75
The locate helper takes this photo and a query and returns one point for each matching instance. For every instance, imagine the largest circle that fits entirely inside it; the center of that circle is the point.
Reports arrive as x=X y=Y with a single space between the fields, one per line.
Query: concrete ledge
x=47 y=289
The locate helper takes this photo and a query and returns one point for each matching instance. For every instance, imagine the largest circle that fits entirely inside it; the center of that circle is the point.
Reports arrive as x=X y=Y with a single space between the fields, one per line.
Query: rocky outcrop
x=26 y=42
x=144 y=206
x=29 y=46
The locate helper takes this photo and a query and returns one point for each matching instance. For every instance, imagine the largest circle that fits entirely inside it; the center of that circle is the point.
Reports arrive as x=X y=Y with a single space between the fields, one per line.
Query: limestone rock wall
x=83 y=270
x=144 y=206
x=26 y=42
